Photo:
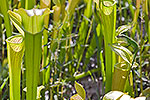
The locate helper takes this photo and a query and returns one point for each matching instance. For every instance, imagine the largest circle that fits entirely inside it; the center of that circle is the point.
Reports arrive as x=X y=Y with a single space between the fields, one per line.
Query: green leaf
x=149 y=31
x=123 y=52
x=39 y=88
x=123 y=28
x=4 y=83
x=4 y=6
x=129 y=42
x=72 y=5
x=16 y=20
x=15 y=51
x=80 y=90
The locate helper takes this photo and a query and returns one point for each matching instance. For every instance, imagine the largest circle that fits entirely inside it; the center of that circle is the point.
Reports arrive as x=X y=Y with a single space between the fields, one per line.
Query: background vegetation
x=103 y=44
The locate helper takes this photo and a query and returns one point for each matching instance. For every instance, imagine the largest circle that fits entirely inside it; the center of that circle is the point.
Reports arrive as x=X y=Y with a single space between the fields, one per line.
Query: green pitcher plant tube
x=15 y=51
x=32 y=23
x=120 y=75
x=108 y=19
x=33 y=44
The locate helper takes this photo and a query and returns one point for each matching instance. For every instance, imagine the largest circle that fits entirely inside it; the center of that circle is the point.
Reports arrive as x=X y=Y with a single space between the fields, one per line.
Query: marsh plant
x=48 y=48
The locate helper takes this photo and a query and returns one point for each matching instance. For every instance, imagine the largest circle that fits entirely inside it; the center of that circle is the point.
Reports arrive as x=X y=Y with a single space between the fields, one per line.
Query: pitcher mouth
x=16 y=39
x=16 y=42
x=122 y=66
x=113 y=2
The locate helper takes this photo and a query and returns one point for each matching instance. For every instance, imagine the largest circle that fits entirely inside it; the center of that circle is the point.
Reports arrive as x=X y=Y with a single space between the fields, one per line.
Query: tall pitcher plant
x=108 y=19
x=31 y=24
x=15 y=51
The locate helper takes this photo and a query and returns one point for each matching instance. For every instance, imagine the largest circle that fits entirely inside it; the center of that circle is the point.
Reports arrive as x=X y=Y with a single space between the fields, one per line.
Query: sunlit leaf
x=80 y=90
x=17 y=21
x=3 y=85
x=135 y=65
x=113 y=95
x=123 y=52
x=76 y=97
x=123 y=28
x=4 y=7
x=140 y=98
x=117 y=95
x=129 y=42
x=39 y=88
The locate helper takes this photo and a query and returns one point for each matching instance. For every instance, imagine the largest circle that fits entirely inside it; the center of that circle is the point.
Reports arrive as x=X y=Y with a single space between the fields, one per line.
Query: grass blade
x=29 y=4
x=4 y=8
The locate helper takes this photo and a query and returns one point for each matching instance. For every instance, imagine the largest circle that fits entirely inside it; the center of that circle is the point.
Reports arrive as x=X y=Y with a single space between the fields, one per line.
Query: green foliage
x=75 y=40
x=4 y=8
x=80 y=92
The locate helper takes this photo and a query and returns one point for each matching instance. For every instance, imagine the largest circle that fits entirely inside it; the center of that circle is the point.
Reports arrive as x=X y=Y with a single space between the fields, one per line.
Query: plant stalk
x=4 y=9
